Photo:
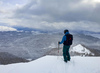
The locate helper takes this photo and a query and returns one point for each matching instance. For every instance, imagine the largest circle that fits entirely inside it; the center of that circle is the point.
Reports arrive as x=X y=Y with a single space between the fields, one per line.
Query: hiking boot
x=65 y=61
x=68 y=59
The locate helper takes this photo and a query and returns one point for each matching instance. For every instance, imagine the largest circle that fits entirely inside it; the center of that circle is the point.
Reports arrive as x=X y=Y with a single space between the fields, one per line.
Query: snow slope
x=54 y=64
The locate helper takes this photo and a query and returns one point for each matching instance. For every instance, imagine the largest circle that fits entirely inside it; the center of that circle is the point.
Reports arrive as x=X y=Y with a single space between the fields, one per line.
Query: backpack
x=69 y=40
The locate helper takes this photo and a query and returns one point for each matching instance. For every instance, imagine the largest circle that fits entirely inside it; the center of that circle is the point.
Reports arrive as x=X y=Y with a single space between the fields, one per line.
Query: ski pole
x=58 y=47
x=58 y=50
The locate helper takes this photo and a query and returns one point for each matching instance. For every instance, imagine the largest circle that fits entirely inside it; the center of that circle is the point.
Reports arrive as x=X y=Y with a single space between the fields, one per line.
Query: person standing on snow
x=67 y=42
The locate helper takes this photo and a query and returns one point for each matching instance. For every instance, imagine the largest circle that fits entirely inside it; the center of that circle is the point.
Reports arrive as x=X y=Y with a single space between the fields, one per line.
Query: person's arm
x=63 y=39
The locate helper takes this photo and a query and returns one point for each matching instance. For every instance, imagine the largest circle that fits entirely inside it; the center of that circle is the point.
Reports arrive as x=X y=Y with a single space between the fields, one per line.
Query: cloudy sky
x=51 y=15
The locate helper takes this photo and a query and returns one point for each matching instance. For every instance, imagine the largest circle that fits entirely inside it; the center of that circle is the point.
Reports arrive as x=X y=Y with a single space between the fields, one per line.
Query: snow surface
x=80 y=49
x=55 y=64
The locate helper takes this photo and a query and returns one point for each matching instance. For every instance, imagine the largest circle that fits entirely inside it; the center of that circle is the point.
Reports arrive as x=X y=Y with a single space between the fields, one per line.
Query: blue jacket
x=64 y=38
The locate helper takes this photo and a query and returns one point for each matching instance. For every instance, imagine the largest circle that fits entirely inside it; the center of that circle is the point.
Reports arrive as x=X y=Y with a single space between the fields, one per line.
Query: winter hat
x=65 y=31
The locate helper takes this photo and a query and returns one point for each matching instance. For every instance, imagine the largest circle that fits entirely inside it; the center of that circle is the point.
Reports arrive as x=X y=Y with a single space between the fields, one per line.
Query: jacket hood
x=66 y=33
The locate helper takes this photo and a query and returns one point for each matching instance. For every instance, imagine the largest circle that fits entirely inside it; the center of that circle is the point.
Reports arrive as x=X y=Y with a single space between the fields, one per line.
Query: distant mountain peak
x=81 y=50
x=6 y=28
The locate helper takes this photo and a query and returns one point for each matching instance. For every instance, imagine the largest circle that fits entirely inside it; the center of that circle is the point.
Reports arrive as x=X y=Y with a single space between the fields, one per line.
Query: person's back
x=69 y=39
x=67 y=42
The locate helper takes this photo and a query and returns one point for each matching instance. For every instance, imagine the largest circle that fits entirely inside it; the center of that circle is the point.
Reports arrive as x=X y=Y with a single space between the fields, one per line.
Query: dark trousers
x=66 y=54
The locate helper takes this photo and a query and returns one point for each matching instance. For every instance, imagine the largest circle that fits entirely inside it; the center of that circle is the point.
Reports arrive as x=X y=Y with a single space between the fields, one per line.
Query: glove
x=58 y=42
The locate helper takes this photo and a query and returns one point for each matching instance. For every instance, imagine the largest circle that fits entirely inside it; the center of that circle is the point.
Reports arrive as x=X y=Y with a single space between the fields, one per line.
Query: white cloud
x=7 y=9
x=52 y=14
x=97 y=1
x=60 y=14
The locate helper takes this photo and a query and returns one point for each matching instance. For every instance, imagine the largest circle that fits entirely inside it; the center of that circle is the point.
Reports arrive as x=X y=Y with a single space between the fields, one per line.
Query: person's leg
x=68 y=55
x=65 y=53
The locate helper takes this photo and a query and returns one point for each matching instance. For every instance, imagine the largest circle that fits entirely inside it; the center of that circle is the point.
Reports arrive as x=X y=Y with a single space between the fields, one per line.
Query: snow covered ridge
x=5 y=28
x=79 y=49
x=54 y=64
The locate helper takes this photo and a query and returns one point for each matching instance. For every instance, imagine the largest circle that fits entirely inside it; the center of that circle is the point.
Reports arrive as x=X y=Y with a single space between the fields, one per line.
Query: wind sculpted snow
x=54 y=64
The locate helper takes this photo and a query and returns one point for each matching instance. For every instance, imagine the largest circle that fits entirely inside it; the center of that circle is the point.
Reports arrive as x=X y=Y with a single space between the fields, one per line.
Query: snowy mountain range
x=6 y=28
x=33 y=45
x=16 y=28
